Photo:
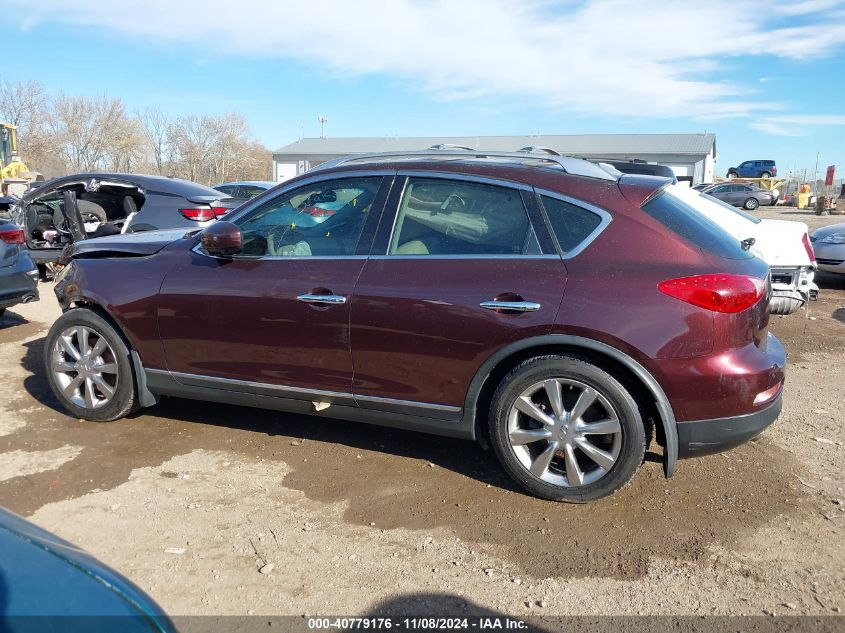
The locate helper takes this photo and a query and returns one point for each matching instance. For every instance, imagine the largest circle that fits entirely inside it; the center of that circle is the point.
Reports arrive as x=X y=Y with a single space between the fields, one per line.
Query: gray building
x=691 y=156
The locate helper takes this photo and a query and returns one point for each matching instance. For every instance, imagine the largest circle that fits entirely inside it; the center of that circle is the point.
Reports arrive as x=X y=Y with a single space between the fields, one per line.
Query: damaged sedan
x=82 y=206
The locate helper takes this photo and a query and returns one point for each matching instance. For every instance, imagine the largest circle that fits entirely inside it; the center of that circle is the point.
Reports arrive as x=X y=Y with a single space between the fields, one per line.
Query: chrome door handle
x=330 y=299
x=512 y=306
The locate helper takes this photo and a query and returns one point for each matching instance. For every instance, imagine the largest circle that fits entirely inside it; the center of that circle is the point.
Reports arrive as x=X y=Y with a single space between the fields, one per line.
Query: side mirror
x=222 y=239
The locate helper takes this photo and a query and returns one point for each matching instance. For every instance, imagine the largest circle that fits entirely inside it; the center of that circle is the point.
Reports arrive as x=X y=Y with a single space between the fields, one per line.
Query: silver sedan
x=829 y=246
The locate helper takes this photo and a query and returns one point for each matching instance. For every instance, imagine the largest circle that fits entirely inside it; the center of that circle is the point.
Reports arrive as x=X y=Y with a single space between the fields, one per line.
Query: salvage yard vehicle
x=110 y=204
x=18 y=274
x=753 y=169
x=511 y=298
x=829 y=245
x=245 y=189
x=45 y=577
x=783 y=244
x=742 y=195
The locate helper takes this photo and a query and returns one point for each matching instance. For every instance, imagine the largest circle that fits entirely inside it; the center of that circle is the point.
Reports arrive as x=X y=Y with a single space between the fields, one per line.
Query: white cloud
x=795 y=124
x=612 y=57
x=769 y=127
x=809 y=119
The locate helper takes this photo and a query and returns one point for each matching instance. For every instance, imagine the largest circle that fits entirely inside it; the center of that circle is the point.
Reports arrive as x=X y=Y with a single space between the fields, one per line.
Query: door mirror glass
x=222 y=239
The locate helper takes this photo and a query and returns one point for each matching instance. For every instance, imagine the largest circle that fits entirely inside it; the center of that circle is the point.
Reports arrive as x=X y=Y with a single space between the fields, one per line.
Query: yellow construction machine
x=15 y=176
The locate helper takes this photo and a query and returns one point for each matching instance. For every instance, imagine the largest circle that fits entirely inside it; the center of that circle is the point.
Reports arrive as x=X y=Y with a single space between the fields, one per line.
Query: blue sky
x=768 y=82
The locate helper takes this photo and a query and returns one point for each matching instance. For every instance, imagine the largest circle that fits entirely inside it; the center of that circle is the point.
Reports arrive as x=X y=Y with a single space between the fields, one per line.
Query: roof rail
x=534 y=149
x=569 y=164
x=440 y=146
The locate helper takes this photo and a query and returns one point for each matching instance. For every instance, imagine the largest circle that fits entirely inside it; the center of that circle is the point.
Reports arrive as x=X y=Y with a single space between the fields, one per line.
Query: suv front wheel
x=88 y=367
x=566 y=430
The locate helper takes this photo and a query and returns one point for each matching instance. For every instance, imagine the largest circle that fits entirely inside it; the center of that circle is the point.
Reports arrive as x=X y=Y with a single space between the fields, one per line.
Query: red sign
x=831 y=173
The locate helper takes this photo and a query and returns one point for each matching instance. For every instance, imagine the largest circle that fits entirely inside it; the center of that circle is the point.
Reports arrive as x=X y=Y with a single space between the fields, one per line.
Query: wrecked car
x=784 y=245
x=18 y=275
x=110 y=204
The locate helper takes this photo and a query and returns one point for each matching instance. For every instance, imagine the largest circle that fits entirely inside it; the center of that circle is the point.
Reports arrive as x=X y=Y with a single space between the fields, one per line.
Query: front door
x=277 y=314
x=462 y=274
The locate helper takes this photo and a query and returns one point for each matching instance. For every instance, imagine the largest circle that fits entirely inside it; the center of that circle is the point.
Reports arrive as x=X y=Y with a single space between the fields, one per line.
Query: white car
x=783 y=245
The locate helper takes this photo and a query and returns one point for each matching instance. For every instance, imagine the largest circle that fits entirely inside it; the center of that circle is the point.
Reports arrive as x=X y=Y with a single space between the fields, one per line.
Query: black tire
x=124 y=399
x=2 y=311
x=766 y=174
x=568 y=368
x=751 y=204
x=732 y=175
x=88 y=210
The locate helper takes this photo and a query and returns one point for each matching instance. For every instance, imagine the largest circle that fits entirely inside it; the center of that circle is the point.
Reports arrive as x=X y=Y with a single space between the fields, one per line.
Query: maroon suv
x=549 y=305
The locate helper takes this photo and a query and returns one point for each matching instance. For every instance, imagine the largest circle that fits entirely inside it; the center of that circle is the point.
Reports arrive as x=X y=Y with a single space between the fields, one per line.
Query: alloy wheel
x=85 y=367
x=564 y=432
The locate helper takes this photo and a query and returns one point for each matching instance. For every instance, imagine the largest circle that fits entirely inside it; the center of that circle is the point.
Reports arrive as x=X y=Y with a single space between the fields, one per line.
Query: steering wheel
x=275 y=239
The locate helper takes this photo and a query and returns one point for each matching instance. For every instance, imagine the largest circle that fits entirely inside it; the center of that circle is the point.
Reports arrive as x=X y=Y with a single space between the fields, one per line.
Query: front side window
x=452 y=217
x=322 y=219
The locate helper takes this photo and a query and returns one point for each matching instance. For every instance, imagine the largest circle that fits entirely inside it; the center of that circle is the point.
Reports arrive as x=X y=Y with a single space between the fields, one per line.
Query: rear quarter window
x=571 y=224
x=683 y=220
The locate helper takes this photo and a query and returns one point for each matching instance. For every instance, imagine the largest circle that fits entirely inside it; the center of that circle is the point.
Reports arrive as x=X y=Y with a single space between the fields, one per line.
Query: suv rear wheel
x=88 y=367
x=566 y=430
x=766 y=174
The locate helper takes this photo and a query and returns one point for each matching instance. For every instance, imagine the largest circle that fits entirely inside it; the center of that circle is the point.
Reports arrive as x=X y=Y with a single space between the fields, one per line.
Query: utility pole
x=816 y=175
x=323 y=119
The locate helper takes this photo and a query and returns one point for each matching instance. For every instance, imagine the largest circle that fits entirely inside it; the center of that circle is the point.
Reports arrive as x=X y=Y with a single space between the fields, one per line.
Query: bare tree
x=155 y=126
x=62 y=134
x=192 y=139
x=26 y=105
x=125 y=149
x=88 y=131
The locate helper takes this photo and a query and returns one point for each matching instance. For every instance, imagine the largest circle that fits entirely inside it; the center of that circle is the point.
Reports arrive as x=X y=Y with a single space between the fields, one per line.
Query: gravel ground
x=222 y=510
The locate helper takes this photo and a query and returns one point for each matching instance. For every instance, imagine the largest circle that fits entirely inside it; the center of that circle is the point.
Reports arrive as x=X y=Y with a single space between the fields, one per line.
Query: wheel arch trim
x=664 y=408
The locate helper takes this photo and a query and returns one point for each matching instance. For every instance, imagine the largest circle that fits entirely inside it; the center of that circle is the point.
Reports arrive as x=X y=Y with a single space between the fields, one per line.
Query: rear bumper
x=704 y=437
x=18 y=283
x=722 y=385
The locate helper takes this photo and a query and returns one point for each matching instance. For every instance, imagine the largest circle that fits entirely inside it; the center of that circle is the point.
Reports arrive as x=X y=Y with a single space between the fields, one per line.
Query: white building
x=691 y=156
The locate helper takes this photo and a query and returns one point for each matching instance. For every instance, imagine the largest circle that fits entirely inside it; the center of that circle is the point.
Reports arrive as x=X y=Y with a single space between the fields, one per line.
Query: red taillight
x=317 y=212
x=199 y=214
x=219 y=211
x=13 y=236
x=719 y=292
x=809 y=248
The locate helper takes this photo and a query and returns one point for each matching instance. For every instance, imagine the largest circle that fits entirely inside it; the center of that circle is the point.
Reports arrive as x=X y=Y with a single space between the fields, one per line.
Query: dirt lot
x=190 y=500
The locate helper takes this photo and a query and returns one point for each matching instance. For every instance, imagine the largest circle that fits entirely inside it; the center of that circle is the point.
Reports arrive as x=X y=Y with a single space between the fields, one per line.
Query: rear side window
x=684 y=220
x=571 y=224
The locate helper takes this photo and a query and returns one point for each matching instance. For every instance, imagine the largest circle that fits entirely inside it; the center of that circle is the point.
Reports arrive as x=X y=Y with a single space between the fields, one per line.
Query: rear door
x=460 y=268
